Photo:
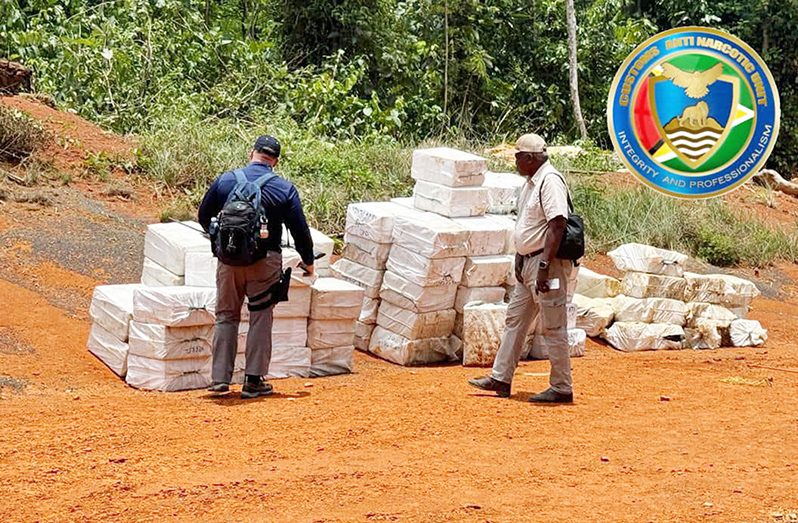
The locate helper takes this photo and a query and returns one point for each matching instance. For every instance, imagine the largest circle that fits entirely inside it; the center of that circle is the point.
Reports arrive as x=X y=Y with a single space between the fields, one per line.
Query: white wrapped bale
x=720 y=289
x=286 y=362
x=467 y=295
x=644 y=285
x=423 y=271
x=450 y=201
x=363 y=332
x=483 y=327
x=570 y=315
x=632 y=337
x=486 y=235
x=369 y=311
x=175 y=306
x=166 y=244
x=649 y=310
x=747 y=333
x=200 y=269
x=398 y=349
x=290 y=332
x=168 y=375
x=594 y=285
x=366 y=252
x=504 y=190
x=708 y=311
x=636 y=257
x=329 y=334
x=431 y=236
x=455 y=348
x=538 y=345
x=366 y=277
x=487 y=271
x=450 y=167
x=707 y=334
x=507 y=223
x=334 y=299
x=593 y=315
x=415 y=326
x=372 y=221
x=160 y=342
x=413 y=297
x=112 y=307
x=406 y=202
x=297 y=306
x=154 y=275
x=331 y=362
x=109 y=349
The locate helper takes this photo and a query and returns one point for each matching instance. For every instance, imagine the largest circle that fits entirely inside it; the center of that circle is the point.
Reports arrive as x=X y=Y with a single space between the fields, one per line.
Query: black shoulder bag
x=572 y=245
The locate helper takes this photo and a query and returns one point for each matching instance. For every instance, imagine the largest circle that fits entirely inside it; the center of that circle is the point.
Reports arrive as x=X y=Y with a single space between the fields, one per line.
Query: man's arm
x=300 y=232
x=555 y=207
x=210 y=206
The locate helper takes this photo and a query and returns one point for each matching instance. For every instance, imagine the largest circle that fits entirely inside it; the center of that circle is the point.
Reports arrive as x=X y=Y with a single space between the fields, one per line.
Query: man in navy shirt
x=281 y=204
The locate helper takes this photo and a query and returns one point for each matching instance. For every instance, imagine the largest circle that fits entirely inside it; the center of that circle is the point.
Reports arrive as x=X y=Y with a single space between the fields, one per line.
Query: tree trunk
x=570 y=16
x=772 y=179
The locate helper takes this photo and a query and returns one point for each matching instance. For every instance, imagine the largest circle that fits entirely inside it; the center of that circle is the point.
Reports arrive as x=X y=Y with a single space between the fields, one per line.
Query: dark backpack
x=236 y=233
x=572 y=245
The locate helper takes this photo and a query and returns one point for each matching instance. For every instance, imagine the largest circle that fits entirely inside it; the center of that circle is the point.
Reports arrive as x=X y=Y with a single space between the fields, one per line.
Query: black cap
x=267 y=145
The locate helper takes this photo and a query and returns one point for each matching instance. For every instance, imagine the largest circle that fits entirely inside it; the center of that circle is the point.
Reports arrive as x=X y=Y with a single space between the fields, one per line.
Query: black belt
x=533 y=254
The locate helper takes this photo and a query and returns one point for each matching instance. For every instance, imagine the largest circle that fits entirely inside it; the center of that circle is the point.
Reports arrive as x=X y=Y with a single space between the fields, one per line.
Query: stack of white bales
x=111 y=310
x=504 y=189
x=166 y=246
x=449 y=182
x=334 y=308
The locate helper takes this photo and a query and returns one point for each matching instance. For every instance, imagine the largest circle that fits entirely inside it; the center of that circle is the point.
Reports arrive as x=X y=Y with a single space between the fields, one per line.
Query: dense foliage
x=407 y=69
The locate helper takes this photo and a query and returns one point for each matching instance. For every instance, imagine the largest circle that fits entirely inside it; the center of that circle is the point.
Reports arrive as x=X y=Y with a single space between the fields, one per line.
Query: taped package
x=366 y=252
x=431 y=236
x=537 y=345
x=504 y=190
x=363 y=332
x=423 y=271
x=593 y=315
x=487 y=271
x=366 y=277
x=483 y=328
x=413 y=297
x=507 y=223
x=398 y=349
x=160 y=342
x=154 y=275
x=297 y=306
x=721 y=289
x=747 y=333
x=175 y=306
x=166 y=244
x=329 y=334
x=636 y=257
x=331 y=362
x=594 y=285
x=486 y=235
x=467 y=295
x=449 y=167
x=286 y=362
x=369 y=311
x=201 y=269
x=168 y=375
x=372 y=221
x=708 y=311
x=632 y=337
x=649 y=310
x=644 y=285
x=707 y=334
x=290 y=332
x=109 y=349
x=334 y=299
x=450 y=201
x=112 y=307
x=415 y=326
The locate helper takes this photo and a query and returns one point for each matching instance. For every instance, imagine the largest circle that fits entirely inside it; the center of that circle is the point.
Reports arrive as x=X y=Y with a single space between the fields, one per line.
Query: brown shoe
x=488 y=383
x=552 y=396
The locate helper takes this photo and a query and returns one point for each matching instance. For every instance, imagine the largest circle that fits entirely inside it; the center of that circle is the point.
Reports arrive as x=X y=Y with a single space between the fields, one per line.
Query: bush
x=20 y=135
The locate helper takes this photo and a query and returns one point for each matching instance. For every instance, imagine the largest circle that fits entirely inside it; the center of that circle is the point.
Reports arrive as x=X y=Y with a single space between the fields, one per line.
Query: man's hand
x=542 y=281
x=310 y=270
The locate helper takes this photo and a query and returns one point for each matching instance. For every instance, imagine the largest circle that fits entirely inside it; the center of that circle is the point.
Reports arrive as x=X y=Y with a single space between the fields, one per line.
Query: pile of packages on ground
x=158 y=334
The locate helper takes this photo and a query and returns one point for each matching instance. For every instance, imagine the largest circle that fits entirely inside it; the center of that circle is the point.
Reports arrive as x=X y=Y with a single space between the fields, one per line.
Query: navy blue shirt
x=280 y=201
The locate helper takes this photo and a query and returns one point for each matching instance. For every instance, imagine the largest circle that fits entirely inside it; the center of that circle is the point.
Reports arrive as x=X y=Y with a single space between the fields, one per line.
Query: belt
x=533 y=254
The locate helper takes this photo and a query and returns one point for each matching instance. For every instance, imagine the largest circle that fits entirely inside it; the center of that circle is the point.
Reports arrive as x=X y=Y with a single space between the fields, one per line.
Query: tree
x=573 y=66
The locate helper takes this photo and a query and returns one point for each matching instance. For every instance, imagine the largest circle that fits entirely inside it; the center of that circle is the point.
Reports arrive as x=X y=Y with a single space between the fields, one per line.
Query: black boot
x=254 y=386
x=488 y=383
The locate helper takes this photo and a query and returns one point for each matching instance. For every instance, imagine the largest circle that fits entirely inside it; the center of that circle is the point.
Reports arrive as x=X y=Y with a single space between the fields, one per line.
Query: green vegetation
x=20 y=135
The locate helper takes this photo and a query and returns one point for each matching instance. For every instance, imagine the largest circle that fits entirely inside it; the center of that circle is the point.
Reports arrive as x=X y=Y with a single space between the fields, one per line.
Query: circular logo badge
x=693 y=112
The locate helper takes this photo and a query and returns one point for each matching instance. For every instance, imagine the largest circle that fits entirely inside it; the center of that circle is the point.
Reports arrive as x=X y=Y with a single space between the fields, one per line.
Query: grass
x=20 y=135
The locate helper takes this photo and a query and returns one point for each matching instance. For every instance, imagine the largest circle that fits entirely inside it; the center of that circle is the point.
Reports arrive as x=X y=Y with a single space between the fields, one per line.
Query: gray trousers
x=526 y=305
x=232 y=285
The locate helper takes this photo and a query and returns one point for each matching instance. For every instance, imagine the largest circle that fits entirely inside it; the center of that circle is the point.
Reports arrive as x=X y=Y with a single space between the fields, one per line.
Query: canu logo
x=693 y=112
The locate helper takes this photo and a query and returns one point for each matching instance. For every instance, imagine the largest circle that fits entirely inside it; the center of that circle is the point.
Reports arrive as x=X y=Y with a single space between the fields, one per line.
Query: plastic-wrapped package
x=449 y=167
x=720 y=289
x=649 y=310
x=290 y=332
x=707 y=334
x=321 y=244
x=108 y=349
x=200 y=269
x=593 y=315
x=450 y=201
x=538 y=347
x=363 y=333
x=636 y=257
x=455 y=348
x=329 y=334
x=331 y=362
x=467 y=295
x=413 y=325
x=160 y=342
x=398 y=349
x=708 y=311
x=431 y=236
x=594 y=285
x=504 y=190
x=487 y=271
x=644 y=285
x=168 y=375
x=483 y=327
x=366 y=252
x=747 y=333
x=413 y=297
x=112 y=307
x=487 y=236
x=175 y=306
x=166 y=244
x=334 y=299
x=154 y=275
x=286 y=362
x=366 y=277
x=369 y=311
x=297 y=306
x=507 y=223
x=407 y=202
x=372 y=221
x=631 y=336
x=425 y=272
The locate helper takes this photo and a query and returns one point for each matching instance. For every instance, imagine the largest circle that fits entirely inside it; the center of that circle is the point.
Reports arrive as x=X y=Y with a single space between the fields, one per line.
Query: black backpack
x=572 y=245
x=236 y=233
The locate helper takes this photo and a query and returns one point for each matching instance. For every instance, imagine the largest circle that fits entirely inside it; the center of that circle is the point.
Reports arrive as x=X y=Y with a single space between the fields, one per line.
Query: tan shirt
x=533 y=218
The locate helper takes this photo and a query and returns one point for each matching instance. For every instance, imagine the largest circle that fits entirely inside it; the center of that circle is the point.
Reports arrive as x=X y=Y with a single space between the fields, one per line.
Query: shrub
x=20 y=135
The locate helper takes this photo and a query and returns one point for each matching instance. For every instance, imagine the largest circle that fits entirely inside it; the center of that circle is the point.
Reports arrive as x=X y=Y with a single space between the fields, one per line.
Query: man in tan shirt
x=541 y=290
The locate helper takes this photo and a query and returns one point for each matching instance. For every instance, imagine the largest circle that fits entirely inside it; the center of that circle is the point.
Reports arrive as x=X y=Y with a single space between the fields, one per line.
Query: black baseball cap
x=267 y=145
